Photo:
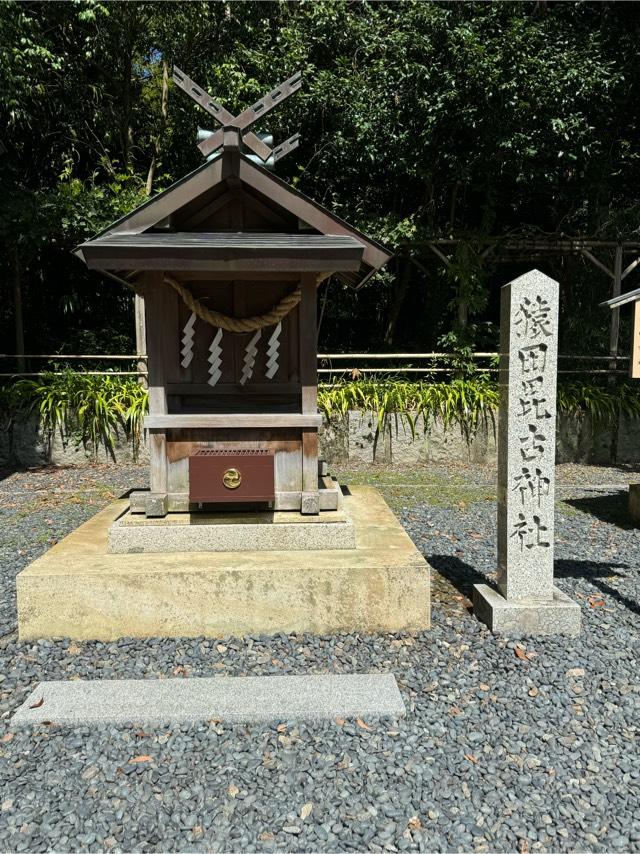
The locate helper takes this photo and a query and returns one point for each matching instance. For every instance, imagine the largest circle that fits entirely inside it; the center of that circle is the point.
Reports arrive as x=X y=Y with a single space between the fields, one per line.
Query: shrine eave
x=622 y=299
x=199 y=183
x=223 y=252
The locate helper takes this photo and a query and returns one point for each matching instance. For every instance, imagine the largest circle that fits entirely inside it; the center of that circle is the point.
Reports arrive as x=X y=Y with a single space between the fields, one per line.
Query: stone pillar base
x=634 y=503
x=561 y=616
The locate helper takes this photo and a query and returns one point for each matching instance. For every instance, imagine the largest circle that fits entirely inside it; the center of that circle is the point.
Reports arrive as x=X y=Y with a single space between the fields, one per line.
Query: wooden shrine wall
x=187 y=391
x=179 y=390
x=190 y=389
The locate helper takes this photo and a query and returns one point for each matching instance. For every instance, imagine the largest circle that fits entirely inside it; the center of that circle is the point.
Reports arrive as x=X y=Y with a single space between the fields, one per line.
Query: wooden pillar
x=156 y=311
x=155 y=299
x=141 y=338
x=614 y=335
x=634 y=360
x=307 y=337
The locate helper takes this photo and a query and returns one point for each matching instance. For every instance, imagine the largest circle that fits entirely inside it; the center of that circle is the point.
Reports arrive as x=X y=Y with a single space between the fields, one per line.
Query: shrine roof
x=222 y=252
x=226 y=176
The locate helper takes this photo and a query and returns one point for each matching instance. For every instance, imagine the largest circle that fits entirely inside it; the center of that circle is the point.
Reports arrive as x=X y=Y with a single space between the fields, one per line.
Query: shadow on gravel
x=596 y=573
x=459 y=573
x=9 y=470
x=612 y=508
x=463 y=576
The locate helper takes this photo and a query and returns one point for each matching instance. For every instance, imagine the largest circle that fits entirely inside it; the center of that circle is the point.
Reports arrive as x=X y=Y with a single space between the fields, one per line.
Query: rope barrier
x=236 y=324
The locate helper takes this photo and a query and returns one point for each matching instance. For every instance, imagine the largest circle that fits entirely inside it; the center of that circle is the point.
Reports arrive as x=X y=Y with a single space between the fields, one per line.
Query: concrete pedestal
x=230 y=532
x=559 y=616
x=79 y=589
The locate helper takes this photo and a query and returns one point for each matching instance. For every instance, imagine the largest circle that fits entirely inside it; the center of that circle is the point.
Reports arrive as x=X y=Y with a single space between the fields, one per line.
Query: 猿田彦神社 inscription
x=527 y=602
x=527 y=437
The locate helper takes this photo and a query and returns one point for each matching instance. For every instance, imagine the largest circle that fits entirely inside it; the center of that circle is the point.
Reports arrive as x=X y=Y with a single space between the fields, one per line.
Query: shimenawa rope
x=236 y=324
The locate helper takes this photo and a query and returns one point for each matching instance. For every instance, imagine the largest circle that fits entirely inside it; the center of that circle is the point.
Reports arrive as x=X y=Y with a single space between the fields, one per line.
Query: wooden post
x=156 y=299
x=615 y=314
x=141 y=338
x=307 y=337
x=634 y=360
x=309 y=388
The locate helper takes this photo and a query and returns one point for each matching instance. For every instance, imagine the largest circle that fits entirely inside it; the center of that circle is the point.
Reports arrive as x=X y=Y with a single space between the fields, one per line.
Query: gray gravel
x=504 y=747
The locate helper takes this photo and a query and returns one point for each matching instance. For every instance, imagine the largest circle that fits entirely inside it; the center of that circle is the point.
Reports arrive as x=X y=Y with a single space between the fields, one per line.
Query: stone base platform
x=230 y=532
x=516 y=619
x=79 y=590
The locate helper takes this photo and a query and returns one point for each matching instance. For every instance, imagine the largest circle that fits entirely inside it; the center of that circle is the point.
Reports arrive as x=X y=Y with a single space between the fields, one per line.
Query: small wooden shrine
x=228 y=261
x=242 y=532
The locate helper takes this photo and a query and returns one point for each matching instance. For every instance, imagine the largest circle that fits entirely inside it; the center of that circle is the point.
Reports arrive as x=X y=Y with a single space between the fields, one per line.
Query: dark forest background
x=418 y=120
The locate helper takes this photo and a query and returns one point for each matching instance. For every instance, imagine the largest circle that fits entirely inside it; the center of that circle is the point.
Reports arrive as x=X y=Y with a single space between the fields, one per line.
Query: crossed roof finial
x=245 y=119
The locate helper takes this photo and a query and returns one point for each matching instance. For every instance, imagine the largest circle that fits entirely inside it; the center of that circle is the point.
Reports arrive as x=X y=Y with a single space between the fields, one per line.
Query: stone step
x=232 y=699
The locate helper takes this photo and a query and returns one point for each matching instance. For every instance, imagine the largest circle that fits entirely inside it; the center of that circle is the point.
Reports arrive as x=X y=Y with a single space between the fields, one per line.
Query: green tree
x=417 y=120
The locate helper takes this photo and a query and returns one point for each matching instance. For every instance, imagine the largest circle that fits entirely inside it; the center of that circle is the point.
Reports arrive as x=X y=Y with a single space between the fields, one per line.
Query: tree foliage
x=417 y=120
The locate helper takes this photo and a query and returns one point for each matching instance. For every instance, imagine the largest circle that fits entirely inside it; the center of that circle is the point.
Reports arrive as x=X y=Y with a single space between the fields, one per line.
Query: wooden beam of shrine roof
x=286 y=147
x=202 y=97
x=223 y=116
x=264 y=105
x=233 y=252
x=623 y=299
x=255 y=112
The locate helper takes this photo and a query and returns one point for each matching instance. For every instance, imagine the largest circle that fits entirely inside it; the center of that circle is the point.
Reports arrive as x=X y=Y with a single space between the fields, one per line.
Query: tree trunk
x=125 y=122
x=463 y=313
x=164 y=111
x=151 y=174
x=165 y=90
x=125 y=130
x=18 y=320
x=396 y=305
x=452 y=205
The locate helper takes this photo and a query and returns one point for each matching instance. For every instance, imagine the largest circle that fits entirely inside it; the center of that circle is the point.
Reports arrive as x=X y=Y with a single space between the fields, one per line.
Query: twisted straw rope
x=236 y=324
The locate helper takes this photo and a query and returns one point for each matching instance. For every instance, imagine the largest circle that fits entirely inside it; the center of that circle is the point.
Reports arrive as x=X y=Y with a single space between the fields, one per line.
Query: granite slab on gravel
x=528 y=746
x=232 y=699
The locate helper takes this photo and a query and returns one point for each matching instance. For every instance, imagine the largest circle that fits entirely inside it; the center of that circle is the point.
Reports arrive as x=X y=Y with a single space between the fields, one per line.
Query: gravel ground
x=530 y=746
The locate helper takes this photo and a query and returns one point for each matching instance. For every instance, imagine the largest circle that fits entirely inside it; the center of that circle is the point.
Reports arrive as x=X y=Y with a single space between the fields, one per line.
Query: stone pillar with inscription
x=526 y=601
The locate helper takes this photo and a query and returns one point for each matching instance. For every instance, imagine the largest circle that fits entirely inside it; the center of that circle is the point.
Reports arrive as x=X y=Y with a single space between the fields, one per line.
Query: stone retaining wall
x=354 y=437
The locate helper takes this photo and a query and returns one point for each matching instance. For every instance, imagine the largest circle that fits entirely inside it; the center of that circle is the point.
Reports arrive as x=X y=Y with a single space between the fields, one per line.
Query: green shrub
x=602 y=403
x=466 y=402
x=95 y=410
